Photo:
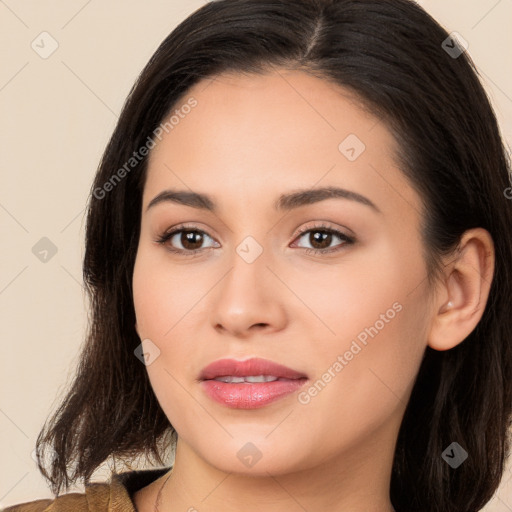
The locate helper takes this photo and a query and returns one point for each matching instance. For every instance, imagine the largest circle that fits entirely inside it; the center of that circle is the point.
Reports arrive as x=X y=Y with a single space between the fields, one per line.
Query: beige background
x=56 y=115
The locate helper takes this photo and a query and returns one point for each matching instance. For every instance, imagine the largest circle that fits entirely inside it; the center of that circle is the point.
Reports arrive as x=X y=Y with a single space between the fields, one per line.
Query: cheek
x=169 y=305
x=160 y=301
x=374 y=327
x=162 y=295
x=351 y=295
x=363 y=380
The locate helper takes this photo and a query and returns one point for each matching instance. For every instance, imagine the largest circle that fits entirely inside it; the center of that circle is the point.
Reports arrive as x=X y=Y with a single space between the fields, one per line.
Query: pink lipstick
x=249 y=384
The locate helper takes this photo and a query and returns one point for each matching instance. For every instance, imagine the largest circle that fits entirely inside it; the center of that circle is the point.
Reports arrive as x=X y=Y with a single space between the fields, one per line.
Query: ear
x=462 y=298
x=137 y=329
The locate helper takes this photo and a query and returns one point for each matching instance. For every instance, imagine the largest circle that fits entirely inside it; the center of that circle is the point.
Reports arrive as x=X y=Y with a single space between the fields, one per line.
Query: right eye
x=189 y=237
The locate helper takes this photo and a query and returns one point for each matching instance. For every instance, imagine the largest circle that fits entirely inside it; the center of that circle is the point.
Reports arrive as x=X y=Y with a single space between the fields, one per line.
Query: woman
x=298 y=258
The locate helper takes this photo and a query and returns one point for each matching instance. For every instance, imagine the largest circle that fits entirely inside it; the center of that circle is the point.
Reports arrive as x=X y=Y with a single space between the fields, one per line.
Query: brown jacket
x=114 y=496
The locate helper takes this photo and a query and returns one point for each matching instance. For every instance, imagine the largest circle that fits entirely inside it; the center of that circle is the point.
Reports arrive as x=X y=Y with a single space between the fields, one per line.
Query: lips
x=249 y=367
x=227 y=382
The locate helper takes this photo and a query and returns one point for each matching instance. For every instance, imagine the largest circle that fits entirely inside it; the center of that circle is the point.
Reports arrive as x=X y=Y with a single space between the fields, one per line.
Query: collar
x=117 y=495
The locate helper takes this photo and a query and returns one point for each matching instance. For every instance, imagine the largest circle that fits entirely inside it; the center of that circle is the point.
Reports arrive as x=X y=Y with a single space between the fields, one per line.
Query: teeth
x=249 y=378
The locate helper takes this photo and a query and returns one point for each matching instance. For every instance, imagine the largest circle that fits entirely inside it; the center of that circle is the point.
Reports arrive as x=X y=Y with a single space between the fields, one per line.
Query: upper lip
x=253 y=366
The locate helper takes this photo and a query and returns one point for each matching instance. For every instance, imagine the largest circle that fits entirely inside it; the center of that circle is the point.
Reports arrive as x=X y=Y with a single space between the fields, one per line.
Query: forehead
x=248 y=136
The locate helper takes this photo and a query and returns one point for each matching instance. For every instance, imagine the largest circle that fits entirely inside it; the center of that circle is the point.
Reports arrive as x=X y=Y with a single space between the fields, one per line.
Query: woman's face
x=352 y=317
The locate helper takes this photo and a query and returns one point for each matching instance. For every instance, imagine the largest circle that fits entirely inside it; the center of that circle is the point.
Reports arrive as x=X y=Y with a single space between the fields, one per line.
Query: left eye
x=191 y=240
x=323 y=237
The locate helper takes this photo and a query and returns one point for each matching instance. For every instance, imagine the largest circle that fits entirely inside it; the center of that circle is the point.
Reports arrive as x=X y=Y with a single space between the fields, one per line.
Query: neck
x=355 y=482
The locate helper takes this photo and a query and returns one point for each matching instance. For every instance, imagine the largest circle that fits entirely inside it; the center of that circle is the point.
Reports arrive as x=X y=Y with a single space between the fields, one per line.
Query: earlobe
x=467 y=287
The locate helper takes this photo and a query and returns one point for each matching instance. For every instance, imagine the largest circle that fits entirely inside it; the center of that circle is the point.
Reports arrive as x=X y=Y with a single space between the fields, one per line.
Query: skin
x=248 y=140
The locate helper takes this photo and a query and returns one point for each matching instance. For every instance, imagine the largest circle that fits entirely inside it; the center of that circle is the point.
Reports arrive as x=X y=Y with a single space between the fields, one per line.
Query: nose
x=249 y=299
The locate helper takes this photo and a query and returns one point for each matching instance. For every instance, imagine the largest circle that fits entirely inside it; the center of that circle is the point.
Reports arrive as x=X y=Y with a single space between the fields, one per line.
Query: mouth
x=249 y=384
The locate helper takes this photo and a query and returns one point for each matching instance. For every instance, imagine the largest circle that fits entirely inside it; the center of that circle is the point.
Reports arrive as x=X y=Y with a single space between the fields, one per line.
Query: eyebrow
x=285 y=202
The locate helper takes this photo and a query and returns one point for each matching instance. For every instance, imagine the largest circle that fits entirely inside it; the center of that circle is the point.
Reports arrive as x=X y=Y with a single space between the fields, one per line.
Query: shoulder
x=114 y=496
x=95 y=498
x=30 y=506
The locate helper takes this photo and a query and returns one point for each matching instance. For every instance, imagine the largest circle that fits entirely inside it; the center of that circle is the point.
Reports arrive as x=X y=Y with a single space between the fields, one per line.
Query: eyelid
x=322 y=225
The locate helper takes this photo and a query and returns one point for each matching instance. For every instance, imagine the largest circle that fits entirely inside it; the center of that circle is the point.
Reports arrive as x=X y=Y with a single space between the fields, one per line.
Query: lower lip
x=248 y=395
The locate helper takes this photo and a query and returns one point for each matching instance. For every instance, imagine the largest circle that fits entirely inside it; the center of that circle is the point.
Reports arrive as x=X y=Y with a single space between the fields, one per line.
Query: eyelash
x=164 y=237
